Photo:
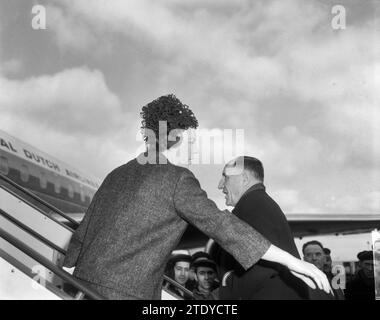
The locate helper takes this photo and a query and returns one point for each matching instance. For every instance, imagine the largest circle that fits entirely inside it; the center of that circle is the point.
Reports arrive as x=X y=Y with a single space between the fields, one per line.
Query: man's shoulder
x=260 y=211
x=204 y=296
x=260 y=200
x=255 y=195
x=356 y=281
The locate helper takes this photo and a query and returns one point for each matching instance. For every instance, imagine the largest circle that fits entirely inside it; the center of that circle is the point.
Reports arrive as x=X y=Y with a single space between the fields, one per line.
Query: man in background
x=179 y=269
x=362 y=287
x=205 y=276
x=314 y=252
x=327 y=266
x=192 y=283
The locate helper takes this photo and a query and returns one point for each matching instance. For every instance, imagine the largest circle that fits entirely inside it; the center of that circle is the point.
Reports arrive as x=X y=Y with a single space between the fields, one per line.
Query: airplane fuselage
x=51 y=179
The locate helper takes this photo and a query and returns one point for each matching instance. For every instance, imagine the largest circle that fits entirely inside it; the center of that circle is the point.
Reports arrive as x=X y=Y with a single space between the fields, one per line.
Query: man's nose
x=220 y=185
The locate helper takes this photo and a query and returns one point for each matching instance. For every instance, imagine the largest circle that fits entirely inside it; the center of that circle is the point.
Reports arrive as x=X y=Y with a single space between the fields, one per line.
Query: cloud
x=71 y=115
x=305 y=94
x=69 y=30
x=94 y=155
x=74 y=101
x=287 y=154
x=292 y=201
x=257 y=53
x=10 y=67
x=360 y=203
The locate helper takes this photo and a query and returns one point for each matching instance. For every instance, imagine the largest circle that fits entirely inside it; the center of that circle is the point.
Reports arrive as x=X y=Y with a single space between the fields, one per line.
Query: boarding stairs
x=34 y=236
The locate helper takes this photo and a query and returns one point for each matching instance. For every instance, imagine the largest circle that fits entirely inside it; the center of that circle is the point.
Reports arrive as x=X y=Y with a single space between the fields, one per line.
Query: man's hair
x=254 y=166
x=313 y=242
x=327 y=251
x=170 y=109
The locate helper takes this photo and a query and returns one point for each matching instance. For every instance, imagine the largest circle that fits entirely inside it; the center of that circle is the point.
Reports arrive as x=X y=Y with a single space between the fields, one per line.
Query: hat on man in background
x=180 y=257
x=203 y=261
x=365 y=255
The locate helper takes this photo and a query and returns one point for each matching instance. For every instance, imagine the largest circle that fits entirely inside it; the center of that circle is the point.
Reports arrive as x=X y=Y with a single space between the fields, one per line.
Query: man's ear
x=246 y=177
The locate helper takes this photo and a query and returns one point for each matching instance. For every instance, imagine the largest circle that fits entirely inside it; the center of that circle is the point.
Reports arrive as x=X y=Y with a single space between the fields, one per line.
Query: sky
x=306 y=95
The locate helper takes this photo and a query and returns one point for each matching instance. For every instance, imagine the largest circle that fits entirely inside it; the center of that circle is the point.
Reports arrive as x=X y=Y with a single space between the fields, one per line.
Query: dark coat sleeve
x=238 y=238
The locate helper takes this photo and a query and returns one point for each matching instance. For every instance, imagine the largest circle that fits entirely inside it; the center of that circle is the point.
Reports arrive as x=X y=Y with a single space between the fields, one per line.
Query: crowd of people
x=201 y=275
x=197 y=273
x=360 y=287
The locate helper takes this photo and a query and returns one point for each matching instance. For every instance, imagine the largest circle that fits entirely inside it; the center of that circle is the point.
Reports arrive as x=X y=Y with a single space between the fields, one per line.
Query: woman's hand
x=305 y=271
x=308 y=273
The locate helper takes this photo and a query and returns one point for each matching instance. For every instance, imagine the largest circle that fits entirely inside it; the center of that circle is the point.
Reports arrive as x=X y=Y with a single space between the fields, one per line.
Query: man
x=327 y=265
x=205 y=275
x=244 y=189
x=179 y=269
x=313 y=253
x=139 y=213
x=192 y=277
x=362 y=287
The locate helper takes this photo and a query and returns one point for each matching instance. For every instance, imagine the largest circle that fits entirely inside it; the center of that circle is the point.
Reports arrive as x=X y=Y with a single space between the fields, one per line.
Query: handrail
x=65 y=275
x=47 y=242
x=33 y=274
x=63 y=251
x=49 y=215
x=31 y=232
x=32 y=195
x=48 y=264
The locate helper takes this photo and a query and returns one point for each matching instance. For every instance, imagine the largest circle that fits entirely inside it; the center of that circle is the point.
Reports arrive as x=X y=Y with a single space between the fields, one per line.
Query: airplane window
x=24 y=172
x=4 y=165
x=43 y=180
x=71 y=191
x=57 y=184
x=82 y=194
